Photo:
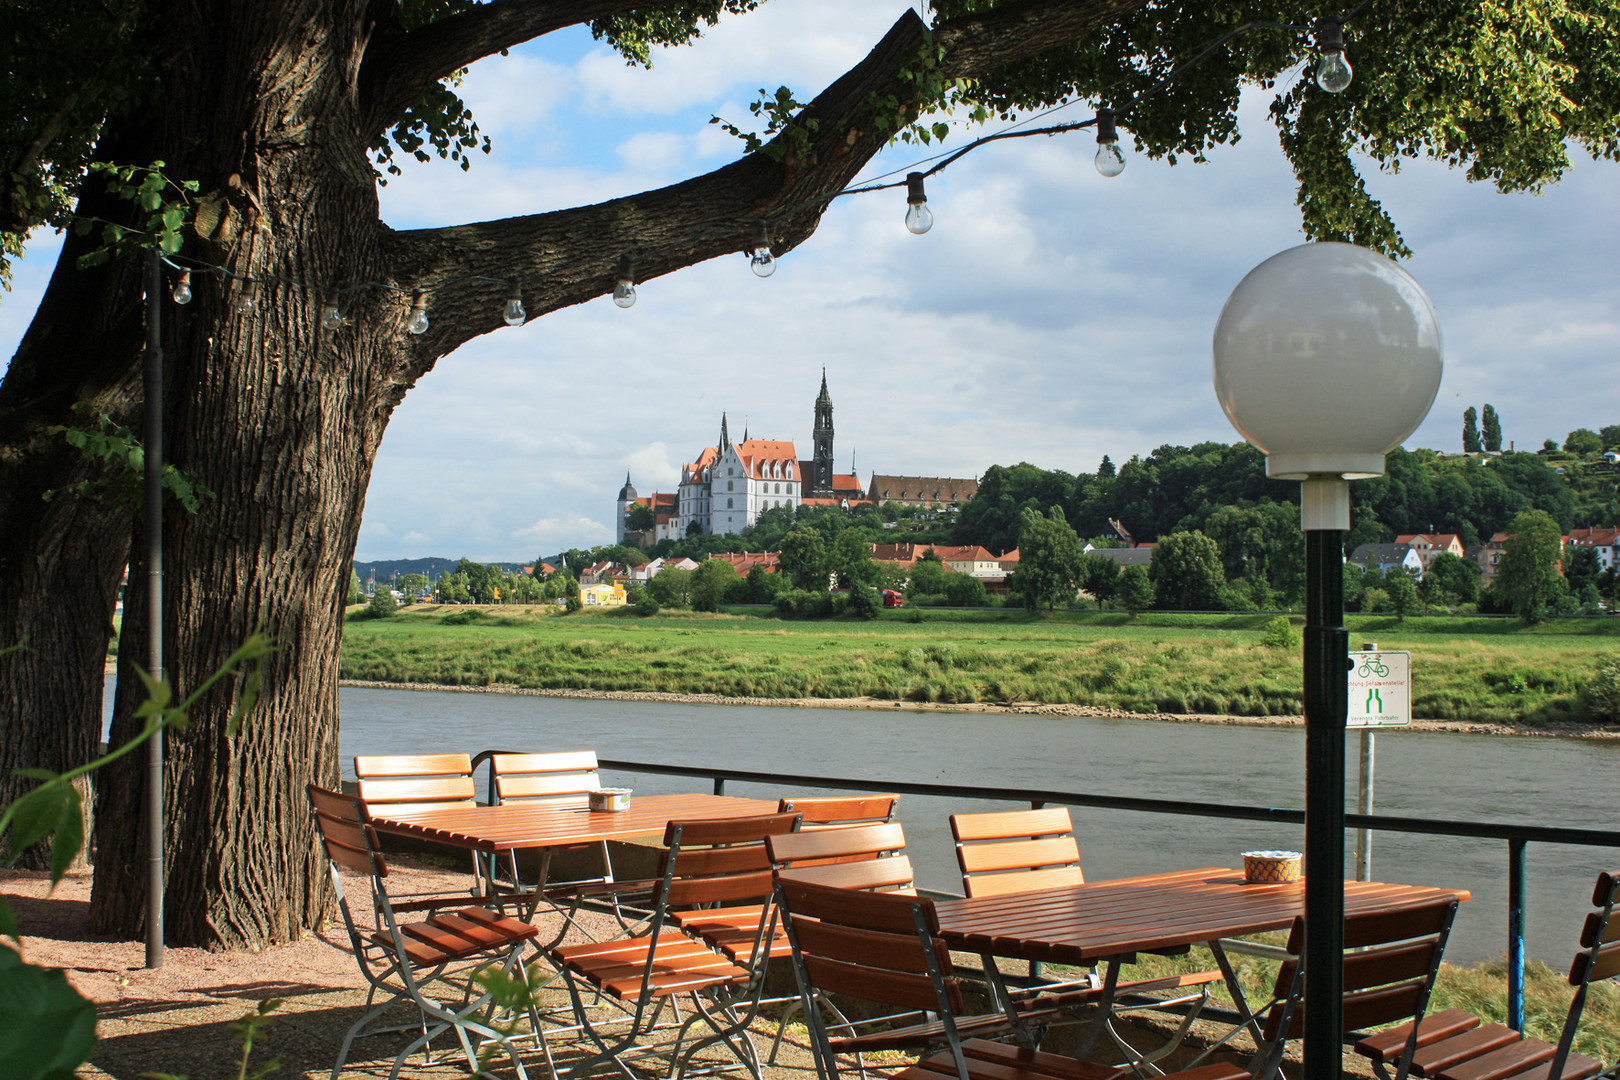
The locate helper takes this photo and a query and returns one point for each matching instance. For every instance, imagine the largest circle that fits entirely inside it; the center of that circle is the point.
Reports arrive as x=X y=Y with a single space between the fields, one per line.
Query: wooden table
x=1084 y=924
x=1107 y=921
x=495 y=830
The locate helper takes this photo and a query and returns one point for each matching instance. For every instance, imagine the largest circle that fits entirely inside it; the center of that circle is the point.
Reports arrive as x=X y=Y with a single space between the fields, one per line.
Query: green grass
x=1482 y=670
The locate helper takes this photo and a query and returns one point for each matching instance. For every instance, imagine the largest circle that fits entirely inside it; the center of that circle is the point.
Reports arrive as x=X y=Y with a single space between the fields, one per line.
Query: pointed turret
x=821 y=463
x=725 y=439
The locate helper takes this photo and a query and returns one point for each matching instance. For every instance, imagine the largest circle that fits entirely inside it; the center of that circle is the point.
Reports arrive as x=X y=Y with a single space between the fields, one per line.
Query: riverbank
x=1025 y=708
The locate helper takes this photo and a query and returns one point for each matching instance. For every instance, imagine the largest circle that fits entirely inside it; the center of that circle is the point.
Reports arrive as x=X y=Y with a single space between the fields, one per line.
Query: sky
x=1050 y=316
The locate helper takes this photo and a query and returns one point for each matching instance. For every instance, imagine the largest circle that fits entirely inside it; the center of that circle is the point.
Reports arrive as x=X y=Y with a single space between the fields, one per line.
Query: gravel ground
x=180 y=1018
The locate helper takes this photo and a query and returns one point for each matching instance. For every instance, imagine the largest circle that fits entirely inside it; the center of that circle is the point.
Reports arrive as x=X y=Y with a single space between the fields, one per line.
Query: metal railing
x=1518 y=837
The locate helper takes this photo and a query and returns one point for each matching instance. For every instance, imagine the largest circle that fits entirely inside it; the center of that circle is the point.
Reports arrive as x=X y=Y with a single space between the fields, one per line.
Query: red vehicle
x=893 y=598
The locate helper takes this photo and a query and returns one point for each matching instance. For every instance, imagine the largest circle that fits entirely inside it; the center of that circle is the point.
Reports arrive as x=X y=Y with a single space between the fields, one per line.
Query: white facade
x=750 y=478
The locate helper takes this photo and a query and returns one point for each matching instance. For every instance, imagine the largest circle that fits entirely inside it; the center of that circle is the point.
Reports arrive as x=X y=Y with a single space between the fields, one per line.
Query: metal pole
x=154 y=606
x=1515 y=972
x=1326 y=706
x=1364 y=796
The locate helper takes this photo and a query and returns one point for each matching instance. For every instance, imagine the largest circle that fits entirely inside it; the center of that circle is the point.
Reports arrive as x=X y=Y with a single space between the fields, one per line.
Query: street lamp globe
x=1327 y=356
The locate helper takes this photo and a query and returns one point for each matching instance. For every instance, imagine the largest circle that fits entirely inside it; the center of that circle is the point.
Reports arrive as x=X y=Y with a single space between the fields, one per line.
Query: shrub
x=573 y=603
x=1602 y=694
x=382 y=605
x=646 y=604
x=1281 y=633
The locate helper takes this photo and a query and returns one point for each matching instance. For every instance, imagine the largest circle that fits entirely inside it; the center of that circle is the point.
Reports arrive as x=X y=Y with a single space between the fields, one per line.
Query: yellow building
x=602 y=595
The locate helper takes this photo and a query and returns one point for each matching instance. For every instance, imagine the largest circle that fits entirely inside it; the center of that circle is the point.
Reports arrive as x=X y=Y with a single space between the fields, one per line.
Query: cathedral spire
x=725 y=440
x=821 y=463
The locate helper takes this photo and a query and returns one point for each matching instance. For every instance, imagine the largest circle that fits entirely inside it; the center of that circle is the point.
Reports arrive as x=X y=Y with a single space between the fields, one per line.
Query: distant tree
x=382 y=603
x=639 y=517
x=1583 y=441
x=1492 y=429
x=1548 y=446
x=803 y=558
x=452 y=588
x=1455 y=578
x=929 y=575
x=1106 y=469
x=1098 y=577
x=850 y=557
x=1610 y=436
x=1527 y=577
x=864 y=601
x=1048 y=559
x=1402 y=592
x=1471 y=443
x=412 y=585
x=1186 y=572
x=672 y=587
x=1136 y=591
x=765 y=586
x=355 y=592
x=1582 y=566
x=710 y=583
x=964 y=590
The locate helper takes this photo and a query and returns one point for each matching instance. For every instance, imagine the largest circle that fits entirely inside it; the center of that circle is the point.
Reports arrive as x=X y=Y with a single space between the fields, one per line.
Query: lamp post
x=1327 y=356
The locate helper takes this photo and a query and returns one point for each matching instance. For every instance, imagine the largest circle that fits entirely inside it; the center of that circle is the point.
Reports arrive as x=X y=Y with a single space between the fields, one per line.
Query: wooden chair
x=1016 y=851
x=565 y=779
x=824 y=811
x=709 y=864
x=419 y=962
x=1023 y=850
x=1390 y=961
x=884 y=948
x=406 y=783
x=1456 y=1045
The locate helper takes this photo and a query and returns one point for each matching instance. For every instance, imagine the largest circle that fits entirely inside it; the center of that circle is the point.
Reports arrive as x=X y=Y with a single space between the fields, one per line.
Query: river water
x=1561 y=782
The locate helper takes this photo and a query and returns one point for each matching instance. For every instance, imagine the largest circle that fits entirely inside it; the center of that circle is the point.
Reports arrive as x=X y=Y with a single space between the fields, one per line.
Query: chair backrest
x=1598 y=959
x=855 y=857
x=564 y=778
x=1016 y=851
x=350 y=844
x=407 y=783
x=1390 y=961
x=841 y=810
x=720 y=861
x=878 y=947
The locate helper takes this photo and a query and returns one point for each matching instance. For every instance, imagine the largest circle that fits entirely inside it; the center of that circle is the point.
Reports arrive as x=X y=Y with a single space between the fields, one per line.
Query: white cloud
x=563 y=531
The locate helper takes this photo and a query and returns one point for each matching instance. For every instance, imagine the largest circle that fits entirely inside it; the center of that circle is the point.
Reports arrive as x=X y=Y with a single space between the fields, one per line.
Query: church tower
x=627 y=498
x=821 y=471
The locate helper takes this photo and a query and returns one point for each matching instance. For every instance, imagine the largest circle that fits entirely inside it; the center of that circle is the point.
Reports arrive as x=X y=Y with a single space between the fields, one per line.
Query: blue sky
x=1050 y=316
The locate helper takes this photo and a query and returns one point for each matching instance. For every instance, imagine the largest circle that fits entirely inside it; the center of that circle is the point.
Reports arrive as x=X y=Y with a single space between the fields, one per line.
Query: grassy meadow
x=1482 y=670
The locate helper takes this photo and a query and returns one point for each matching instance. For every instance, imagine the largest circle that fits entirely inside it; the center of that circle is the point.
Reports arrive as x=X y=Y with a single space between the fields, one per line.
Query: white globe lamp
x=1327 y=356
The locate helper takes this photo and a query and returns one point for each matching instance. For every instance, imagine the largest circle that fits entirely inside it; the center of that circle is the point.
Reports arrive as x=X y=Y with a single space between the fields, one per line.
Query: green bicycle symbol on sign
x=1372 y=665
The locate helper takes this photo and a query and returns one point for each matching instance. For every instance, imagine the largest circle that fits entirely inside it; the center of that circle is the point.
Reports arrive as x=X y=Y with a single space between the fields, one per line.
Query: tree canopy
x=247 y=142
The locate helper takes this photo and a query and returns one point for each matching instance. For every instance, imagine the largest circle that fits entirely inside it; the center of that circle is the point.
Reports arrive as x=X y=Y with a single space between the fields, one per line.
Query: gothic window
x=788 y=472
x=779 y=489
x=728 y=484
x=728 y=504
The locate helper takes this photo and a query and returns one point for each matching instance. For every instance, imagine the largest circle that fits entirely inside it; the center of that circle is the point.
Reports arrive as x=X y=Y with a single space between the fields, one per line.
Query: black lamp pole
x=1327 y=655
x=154 y=605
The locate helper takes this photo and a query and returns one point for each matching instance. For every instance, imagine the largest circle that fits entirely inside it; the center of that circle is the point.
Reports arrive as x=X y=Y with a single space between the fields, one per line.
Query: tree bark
x=270 y=107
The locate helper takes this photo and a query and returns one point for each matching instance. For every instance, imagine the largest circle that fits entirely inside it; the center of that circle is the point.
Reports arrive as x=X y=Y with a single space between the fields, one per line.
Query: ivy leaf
x=46 y=809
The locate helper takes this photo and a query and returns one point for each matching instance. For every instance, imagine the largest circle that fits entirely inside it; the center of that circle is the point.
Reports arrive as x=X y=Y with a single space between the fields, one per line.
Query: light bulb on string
x=919 y=219
x=760 y=260
x=417 y=322
x=249 y=299
x=1110 y=160
x=182 y=288
x=331 y=312
x=513 y=313
x=1333 y=71
x=624 y=289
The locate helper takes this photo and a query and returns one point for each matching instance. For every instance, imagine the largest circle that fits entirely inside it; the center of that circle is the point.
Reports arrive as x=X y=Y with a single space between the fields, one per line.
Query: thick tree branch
x=400 y=67
x=567 y=257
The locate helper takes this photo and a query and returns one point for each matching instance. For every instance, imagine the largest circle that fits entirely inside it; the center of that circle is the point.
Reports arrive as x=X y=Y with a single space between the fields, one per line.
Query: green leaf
x=8 y=922
x=47 y=1029
x=69 y=839
x=53 y=807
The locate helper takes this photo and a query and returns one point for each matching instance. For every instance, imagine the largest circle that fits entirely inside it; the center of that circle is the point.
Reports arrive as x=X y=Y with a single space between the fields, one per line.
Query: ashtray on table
x=1270 y=867
x=610 y=798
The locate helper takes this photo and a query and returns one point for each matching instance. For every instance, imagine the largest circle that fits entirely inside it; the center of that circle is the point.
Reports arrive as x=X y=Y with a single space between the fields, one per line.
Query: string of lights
x=1333 y=74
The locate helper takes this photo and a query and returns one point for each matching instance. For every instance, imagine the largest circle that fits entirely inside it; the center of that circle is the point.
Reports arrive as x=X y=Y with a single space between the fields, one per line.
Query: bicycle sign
x=1380 y=689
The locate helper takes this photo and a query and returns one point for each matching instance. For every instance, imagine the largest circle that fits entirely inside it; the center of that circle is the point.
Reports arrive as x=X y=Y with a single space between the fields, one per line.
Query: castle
x=731 y=484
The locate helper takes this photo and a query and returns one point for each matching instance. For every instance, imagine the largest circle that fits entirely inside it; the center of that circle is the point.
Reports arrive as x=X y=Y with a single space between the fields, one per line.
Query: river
x=1421 y=774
